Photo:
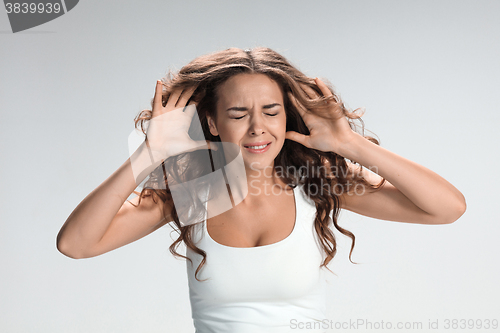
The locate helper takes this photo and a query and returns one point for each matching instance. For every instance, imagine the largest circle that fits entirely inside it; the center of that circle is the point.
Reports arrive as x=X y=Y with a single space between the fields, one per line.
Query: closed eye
x=269 y=114
x=237 y=117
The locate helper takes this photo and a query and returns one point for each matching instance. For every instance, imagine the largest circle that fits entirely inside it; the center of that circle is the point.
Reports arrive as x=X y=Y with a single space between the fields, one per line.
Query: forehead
x=245 y=88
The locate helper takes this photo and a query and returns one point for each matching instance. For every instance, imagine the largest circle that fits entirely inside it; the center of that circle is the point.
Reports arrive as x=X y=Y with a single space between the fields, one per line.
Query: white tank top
x=271 y=288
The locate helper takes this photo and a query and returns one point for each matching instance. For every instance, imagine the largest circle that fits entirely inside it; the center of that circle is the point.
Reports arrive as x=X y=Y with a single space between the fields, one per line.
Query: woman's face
x=251 y=114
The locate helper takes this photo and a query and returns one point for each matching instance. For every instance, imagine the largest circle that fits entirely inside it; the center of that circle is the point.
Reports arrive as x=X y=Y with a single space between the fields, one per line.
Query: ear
x=211 y=126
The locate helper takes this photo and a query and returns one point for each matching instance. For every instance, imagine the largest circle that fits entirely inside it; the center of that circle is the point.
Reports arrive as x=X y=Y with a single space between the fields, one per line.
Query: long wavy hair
x=208 y=72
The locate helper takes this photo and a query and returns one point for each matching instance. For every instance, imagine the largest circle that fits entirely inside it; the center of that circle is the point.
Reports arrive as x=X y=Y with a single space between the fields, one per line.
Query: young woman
x=256 y=267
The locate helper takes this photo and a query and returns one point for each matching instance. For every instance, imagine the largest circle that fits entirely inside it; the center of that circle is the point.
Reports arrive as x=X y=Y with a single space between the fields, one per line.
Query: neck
x=263 y=182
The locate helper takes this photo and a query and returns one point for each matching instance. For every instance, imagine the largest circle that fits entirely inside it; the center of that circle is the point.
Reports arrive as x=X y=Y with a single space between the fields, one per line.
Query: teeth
x=257 y=147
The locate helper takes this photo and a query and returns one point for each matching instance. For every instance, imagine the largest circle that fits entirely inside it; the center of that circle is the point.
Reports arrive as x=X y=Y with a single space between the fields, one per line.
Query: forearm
x=91 y=218
x=426 y=189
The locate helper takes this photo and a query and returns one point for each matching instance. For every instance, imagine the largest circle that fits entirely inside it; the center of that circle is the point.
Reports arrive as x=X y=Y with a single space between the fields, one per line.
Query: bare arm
x=104 y=220
x=411 y=194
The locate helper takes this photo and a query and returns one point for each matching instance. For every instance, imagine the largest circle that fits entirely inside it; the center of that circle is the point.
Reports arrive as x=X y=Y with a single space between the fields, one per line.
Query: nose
x=257 y=126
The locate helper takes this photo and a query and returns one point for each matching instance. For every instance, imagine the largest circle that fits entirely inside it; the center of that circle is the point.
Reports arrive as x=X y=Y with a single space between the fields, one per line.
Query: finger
x=300 y=108
x=297 y=137
x=322 y=86
x=309 y=91
x=172 y=99
x=186 y=95
x=157 y=103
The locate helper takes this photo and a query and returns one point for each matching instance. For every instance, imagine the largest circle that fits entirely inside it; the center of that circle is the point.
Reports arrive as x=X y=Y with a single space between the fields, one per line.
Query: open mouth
x=259 y=148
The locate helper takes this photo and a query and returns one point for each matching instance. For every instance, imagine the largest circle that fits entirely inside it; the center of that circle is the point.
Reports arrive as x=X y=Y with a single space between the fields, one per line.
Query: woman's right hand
x=167 y=133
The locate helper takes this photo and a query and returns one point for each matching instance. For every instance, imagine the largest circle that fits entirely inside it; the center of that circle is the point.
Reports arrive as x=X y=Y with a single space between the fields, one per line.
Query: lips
x=258 y=147
x=257 y=144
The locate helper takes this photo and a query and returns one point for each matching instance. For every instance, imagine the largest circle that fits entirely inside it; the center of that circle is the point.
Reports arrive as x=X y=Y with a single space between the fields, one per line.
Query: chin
x=259 y=165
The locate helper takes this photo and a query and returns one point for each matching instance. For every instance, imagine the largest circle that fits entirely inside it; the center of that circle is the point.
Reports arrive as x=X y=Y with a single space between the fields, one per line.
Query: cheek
x=280 y=127
x=231 y=133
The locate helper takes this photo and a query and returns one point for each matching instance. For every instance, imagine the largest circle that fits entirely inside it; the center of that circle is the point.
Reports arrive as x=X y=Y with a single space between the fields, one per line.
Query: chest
x=252 y=226
x=279 y=271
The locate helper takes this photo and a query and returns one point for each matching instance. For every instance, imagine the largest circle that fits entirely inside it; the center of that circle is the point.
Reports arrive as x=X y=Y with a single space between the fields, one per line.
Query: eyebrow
x=267 y=106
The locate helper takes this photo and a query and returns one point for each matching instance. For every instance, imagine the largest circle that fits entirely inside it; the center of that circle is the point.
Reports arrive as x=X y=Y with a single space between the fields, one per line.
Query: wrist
x=352 y=147
x=144 y=161
x=156 y=155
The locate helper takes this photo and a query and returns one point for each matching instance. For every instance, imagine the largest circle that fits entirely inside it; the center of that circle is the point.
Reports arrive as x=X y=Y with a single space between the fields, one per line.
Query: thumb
x=297 y=137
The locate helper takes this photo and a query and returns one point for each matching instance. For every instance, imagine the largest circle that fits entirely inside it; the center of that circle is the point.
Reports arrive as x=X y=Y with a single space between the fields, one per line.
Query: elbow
x=460 y=209
x=67 y=252
x=455 y=213
x=65 y=249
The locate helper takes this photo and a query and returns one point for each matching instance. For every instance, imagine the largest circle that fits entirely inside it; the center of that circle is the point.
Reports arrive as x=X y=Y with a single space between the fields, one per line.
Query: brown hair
x=208 y=72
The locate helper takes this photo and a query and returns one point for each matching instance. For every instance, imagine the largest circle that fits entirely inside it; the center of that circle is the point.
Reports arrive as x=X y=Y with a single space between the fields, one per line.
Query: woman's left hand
x=326 y=134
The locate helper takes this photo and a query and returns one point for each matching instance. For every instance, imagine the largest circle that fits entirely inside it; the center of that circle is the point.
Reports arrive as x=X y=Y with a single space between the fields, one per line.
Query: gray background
x=426 y=71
